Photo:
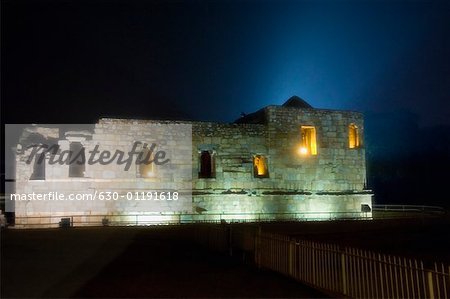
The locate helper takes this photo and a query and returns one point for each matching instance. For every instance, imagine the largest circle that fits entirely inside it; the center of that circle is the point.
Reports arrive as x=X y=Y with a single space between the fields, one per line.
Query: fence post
x=314 y=263
x=430 y=284
x=343 y=273
x=258 y=247
x=230 y=240
x=291 y=257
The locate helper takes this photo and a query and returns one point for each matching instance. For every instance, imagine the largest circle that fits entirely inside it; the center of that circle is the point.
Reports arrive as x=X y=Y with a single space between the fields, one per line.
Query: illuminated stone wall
x=336 y=167
x=330 y=184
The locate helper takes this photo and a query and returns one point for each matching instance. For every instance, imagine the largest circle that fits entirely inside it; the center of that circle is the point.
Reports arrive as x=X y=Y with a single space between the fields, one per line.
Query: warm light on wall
x=303 y=150
x=353 y=136
x=309 y=143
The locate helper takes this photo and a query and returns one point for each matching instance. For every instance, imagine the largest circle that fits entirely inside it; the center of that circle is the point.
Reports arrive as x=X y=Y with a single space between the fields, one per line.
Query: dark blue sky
x=72 y=61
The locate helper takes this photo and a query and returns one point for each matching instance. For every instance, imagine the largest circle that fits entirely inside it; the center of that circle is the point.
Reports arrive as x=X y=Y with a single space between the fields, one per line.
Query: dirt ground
x=157 y=262
x=128 y=262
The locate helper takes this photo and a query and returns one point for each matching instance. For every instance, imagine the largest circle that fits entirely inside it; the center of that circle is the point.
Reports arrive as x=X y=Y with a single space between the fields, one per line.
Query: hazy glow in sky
x=214 y=60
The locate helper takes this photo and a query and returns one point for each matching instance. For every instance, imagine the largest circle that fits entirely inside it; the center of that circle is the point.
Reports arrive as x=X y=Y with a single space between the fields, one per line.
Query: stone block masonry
x=281 y=161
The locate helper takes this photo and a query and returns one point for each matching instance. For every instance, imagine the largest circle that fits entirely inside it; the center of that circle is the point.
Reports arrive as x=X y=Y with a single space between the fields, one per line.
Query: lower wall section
x=312 y=206
x=220 y=208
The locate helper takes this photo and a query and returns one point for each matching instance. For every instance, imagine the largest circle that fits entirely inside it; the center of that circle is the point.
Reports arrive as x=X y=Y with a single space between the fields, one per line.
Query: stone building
x=281 y=162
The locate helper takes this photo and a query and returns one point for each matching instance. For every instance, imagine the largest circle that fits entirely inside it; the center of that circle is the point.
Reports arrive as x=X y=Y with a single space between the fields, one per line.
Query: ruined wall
x=234 y=146
x=327 y=185
x=331 y=182
x=336 y=167
x=110 y=135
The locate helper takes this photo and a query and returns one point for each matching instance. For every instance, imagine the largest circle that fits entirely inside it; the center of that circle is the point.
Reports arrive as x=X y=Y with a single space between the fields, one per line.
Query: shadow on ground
x=129 y=262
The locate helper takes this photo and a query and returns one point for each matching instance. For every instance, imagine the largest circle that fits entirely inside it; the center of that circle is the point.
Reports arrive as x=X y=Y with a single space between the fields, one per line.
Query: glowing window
x=77 y=160
x=145 y=163
x=38 y=167
x=207 y=165
x=353 y=136
x=308 y=143
x=260 y=168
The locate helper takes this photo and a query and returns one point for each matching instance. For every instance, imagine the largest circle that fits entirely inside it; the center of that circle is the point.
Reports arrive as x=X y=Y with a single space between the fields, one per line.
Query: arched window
x=353 y=136
x=207 y=165
x=260 y=167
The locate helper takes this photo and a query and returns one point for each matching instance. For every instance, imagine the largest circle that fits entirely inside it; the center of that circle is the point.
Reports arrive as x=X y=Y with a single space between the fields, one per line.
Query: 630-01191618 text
x=97 y=195
x=139 y=195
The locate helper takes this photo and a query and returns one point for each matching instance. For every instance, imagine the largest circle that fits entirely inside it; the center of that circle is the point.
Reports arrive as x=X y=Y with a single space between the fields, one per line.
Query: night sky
x=76 y=61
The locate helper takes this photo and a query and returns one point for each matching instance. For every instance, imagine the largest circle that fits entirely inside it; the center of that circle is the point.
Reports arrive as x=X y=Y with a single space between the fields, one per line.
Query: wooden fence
x=343 y=271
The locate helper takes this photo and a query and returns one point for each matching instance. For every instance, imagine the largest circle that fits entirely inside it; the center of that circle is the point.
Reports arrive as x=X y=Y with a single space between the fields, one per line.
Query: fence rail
x=344 y=271
x=408 y=208
x=379 y=211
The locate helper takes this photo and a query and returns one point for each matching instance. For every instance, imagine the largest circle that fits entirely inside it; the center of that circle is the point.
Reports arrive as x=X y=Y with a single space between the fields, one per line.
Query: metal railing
x=408 y=208
x=378 y=211
x=343 y=271
x=180 y=218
